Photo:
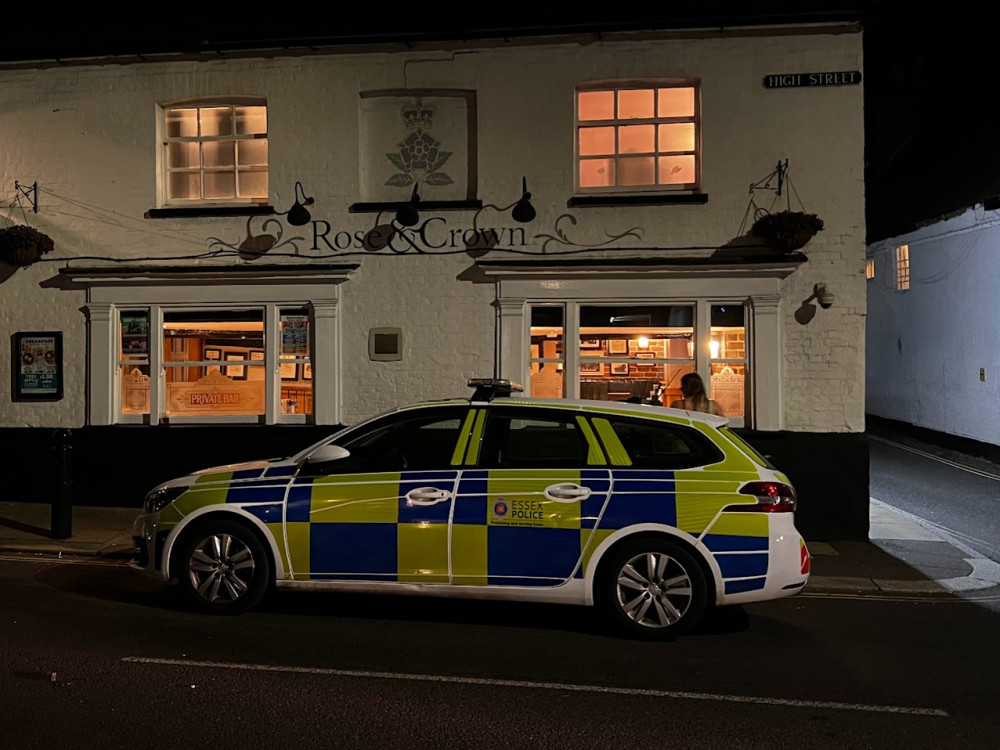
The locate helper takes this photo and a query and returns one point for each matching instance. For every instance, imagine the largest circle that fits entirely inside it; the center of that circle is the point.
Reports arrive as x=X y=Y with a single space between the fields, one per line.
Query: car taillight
x=772 y=497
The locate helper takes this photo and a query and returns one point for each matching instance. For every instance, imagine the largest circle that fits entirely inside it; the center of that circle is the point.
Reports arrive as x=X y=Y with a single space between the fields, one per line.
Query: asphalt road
x=958 y=494
x=94 y=656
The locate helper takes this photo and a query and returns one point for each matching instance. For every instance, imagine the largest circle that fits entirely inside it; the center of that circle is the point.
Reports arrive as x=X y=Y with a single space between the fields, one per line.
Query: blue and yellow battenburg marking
x=504 y=529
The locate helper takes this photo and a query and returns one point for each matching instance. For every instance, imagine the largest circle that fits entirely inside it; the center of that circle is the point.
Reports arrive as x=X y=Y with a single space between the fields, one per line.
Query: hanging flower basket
x=21 y=245
x=787 y=231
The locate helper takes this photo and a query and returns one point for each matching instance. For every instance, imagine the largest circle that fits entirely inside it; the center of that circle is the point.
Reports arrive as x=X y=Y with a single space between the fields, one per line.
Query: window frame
x=163 y=144
x=634 y=84
x=316 y=289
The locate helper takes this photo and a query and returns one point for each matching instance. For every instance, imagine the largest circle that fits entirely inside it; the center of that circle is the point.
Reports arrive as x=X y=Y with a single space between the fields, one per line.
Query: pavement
x=904 y=556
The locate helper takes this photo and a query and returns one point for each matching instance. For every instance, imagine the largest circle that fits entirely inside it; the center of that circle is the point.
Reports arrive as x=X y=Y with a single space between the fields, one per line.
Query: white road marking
x=48 y=557
x=543 y=686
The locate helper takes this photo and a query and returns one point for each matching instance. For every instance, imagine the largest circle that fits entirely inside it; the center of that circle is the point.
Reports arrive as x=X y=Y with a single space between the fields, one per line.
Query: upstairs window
x=902 y=268
x=214 y=153
x=640 y=136
x=870 y=268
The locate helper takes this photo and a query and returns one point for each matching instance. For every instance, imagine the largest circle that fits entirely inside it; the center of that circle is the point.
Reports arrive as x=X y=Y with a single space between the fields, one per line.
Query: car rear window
x=756 y=455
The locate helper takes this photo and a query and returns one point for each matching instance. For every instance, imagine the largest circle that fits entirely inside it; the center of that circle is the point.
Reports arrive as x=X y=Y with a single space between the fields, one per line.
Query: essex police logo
x=500 y=508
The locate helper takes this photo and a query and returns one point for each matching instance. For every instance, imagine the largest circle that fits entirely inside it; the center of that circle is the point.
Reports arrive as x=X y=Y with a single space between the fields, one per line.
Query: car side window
x=661 y=445
x=412 y=443
x=526 y=439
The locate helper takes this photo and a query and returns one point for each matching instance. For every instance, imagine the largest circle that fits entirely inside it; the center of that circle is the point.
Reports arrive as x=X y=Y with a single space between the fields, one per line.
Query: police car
x=651 y=514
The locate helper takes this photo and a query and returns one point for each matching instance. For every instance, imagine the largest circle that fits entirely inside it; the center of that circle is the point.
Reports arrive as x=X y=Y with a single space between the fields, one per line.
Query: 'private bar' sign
x=794 y=80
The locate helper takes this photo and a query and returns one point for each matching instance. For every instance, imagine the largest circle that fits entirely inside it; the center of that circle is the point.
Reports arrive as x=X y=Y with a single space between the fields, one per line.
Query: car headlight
x=157 y=500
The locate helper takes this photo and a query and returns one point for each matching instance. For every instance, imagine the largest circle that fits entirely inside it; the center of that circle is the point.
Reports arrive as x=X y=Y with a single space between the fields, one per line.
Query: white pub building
x=255 y=246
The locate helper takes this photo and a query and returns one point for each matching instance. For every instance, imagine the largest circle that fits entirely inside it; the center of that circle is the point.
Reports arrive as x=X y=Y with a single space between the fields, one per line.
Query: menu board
x=38 y=368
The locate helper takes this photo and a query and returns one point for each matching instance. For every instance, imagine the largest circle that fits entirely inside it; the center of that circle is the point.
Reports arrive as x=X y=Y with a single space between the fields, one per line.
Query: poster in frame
x=617 y=346
x=619 y=368
x=236 y=372
x=590 y=343
x=289 y=371
x=38 y=366
x=307 y=371
x=591 y=368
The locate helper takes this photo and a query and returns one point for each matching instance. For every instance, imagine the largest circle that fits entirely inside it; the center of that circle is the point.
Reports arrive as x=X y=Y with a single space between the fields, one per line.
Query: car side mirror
x=326 y=453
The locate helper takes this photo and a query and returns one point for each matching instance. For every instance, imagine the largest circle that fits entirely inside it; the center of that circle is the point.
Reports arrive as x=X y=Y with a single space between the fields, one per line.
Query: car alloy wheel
x=224 y=567
x=653 y=588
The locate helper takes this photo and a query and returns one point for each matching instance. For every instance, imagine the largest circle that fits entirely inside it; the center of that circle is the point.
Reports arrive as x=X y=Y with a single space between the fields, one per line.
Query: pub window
x=640 y=352
x=214 y=363
x=902 y=268
x=214 y=153
x=640 y=136
x=869 y=268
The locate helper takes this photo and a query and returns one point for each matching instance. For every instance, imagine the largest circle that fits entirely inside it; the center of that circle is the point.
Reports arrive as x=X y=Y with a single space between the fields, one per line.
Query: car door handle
x=566 y=492
x=426 y=496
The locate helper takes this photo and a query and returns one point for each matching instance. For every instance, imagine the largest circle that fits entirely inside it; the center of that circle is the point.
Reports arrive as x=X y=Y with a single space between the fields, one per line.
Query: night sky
x=929 y=147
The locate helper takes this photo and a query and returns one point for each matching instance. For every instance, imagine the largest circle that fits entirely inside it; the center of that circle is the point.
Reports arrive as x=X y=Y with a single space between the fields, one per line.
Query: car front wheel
x=652 y=588
x=223 y=567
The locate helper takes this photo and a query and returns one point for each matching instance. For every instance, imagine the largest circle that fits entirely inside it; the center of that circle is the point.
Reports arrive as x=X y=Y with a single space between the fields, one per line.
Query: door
x=525 y=514
x=382 y=513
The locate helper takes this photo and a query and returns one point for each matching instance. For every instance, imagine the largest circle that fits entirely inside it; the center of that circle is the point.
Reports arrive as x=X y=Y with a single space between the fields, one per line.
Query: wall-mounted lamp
x=298 y=215
x=521 y=211
x=713 y=348
x=807 y=310
x=643 y=342
x=407 y=215
x=30 y=193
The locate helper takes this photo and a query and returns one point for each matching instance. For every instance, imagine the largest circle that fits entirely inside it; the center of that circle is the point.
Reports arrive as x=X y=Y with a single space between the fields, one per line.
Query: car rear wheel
x=223 y=567
x=652 y=588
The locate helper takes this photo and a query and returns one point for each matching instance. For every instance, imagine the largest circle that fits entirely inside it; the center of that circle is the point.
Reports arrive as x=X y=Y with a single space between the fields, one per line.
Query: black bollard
x=62 y=501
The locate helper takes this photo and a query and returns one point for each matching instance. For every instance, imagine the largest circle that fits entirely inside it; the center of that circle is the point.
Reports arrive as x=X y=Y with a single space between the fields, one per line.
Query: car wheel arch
x=224 y=513
x=605 y=550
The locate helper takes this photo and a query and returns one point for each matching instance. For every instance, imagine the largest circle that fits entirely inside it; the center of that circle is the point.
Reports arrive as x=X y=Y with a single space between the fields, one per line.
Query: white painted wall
x=87 y=135
x=927 y=345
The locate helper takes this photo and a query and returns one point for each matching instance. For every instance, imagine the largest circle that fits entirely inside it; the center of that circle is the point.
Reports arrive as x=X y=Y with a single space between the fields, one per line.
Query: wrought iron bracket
x=30 y=193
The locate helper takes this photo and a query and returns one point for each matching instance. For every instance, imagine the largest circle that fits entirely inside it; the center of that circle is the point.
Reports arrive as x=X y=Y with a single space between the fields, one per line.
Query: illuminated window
x=638 y=137
x=870 y=268
x=214 y=363
x=214 y=153
x=903 y=268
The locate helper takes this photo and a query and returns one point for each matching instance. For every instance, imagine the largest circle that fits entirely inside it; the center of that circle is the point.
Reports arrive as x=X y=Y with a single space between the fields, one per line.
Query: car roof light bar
x=489 y=388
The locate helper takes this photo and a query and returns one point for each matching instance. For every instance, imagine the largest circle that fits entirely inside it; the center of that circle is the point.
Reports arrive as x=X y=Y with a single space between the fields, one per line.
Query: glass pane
x=597 y=173
x=676 y=170
x=296 y=387
x=637 y=139
x=220 y=185
x=635 y=103
x=596 y=105
x=183 y=154
x=251 y=120
x=294 y=327
x=252 y=153
x=539 y=442
x=219 y=153
x=727 y=388
x=623 y=349
x=676 y=137
x=233 y=338
x=637 y=171
x=135 y=389
x=252 y=184
x=728 y=332
x=547 y=378
x=184 y=186
x=133 y=334
x=216 y=121
x=597 y=141
x=675 y=102
x=182 y=123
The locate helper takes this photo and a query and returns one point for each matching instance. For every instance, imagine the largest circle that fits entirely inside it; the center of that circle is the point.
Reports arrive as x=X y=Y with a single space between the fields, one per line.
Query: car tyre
x=223 y=567
x=652 y=589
